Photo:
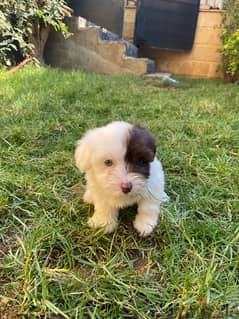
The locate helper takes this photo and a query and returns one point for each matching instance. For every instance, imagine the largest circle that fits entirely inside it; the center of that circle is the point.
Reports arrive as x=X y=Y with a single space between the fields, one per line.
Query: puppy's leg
x=147 y=217
x=106 y=217
x=87 y=198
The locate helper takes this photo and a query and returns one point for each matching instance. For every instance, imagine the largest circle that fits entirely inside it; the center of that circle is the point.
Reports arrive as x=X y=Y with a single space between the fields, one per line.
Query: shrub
x=24 y=27
x=230 y=39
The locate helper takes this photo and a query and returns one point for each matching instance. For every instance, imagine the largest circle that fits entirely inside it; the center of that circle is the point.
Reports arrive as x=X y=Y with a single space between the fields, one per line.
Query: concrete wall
x=202 y=61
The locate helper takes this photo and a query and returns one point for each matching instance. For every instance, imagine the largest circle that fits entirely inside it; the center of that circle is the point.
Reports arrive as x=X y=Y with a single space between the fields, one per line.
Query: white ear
x=82 y=154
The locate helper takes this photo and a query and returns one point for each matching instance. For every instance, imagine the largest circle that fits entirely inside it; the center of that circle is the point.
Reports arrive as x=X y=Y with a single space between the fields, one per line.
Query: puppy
x=121 y=169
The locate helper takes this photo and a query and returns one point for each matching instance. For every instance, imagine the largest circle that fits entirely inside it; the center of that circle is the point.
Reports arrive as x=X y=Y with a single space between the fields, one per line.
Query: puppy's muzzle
x=126 y=187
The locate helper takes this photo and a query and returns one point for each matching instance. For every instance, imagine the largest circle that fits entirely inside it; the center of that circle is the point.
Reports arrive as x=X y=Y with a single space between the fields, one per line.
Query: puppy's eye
x=141 y=161
x=108 y=162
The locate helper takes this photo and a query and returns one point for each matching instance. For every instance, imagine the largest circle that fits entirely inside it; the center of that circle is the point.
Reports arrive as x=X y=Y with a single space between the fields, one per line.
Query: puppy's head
x=117 y=156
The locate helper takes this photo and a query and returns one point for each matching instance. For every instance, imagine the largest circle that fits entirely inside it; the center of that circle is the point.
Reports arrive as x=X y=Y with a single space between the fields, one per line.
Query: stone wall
x=129 y=22
x=203 y=61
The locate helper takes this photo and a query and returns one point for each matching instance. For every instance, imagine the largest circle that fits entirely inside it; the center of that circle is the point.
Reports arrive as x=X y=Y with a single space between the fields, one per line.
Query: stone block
x=208 y=36
x=137 y=66
x=205 y=53
x=209 y=18
x=111 y=51
x=128 y=32
x=215 y=70
x=129 y=15
x=129 y=23
x=200 y=69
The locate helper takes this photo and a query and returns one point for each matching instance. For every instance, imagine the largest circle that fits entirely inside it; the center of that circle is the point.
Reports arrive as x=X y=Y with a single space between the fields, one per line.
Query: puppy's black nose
x=126 y=187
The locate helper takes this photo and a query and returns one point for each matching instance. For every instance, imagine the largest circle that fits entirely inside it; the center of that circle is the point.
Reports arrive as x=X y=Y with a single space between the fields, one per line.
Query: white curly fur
x=103 y=183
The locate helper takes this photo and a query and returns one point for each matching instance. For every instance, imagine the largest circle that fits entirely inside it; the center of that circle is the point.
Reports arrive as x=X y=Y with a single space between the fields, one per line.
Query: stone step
x=94 y=49
x=77 y=23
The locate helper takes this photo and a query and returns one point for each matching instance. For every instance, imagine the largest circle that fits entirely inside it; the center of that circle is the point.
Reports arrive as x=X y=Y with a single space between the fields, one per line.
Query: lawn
x=52 y=265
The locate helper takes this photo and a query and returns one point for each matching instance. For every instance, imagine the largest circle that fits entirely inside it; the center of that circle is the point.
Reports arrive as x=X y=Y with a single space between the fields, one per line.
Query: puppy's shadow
x=127 y=216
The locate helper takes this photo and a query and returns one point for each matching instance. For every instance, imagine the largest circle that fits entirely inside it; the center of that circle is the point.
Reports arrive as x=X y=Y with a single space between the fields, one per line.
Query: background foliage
x=17 y=19
x=230 y=39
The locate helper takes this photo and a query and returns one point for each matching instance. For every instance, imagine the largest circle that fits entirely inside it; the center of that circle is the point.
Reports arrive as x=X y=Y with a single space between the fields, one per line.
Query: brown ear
x=147 y=139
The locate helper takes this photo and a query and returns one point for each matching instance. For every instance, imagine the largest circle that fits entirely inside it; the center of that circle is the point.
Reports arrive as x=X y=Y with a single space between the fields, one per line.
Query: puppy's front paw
x=165 y=198
x=144 y=225
x=108 y=225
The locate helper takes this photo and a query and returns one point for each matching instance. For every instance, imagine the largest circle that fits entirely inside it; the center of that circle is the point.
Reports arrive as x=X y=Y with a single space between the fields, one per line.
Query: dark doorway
x=166 y=24
x=105 y=13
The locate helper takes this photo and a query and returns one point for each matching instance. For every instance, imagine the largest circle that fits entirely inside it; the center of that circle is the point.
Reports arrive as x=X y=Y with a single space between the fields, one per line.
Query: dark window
x=166 y=24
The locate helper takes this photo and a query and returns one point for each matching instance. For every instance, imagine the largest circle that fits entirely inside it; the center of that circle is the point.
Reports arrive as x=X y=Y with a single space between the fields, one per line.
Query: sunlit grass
x=52 y=265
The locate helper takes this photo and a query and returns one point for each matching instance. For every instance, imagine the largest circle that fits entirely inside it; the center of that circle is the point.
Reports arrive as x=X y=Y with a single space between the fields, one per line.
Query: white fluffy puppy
x=121 y=170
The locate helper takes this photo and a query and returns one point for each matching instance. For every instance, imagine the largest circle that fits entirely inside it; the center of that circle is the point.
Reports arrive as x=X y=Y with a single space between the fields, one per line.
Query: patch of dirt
x=8 y=306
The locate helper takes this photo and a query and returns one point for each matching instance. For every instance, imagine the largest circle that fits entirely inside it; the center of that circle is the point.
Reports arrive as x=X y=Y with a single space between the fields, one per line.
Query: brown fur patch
x=141 y=149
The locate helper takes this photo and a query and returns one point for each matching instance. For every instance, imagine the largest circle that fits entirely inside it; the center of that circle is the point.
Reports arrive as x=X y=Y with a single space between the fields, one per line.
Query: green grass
x=52 y=265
